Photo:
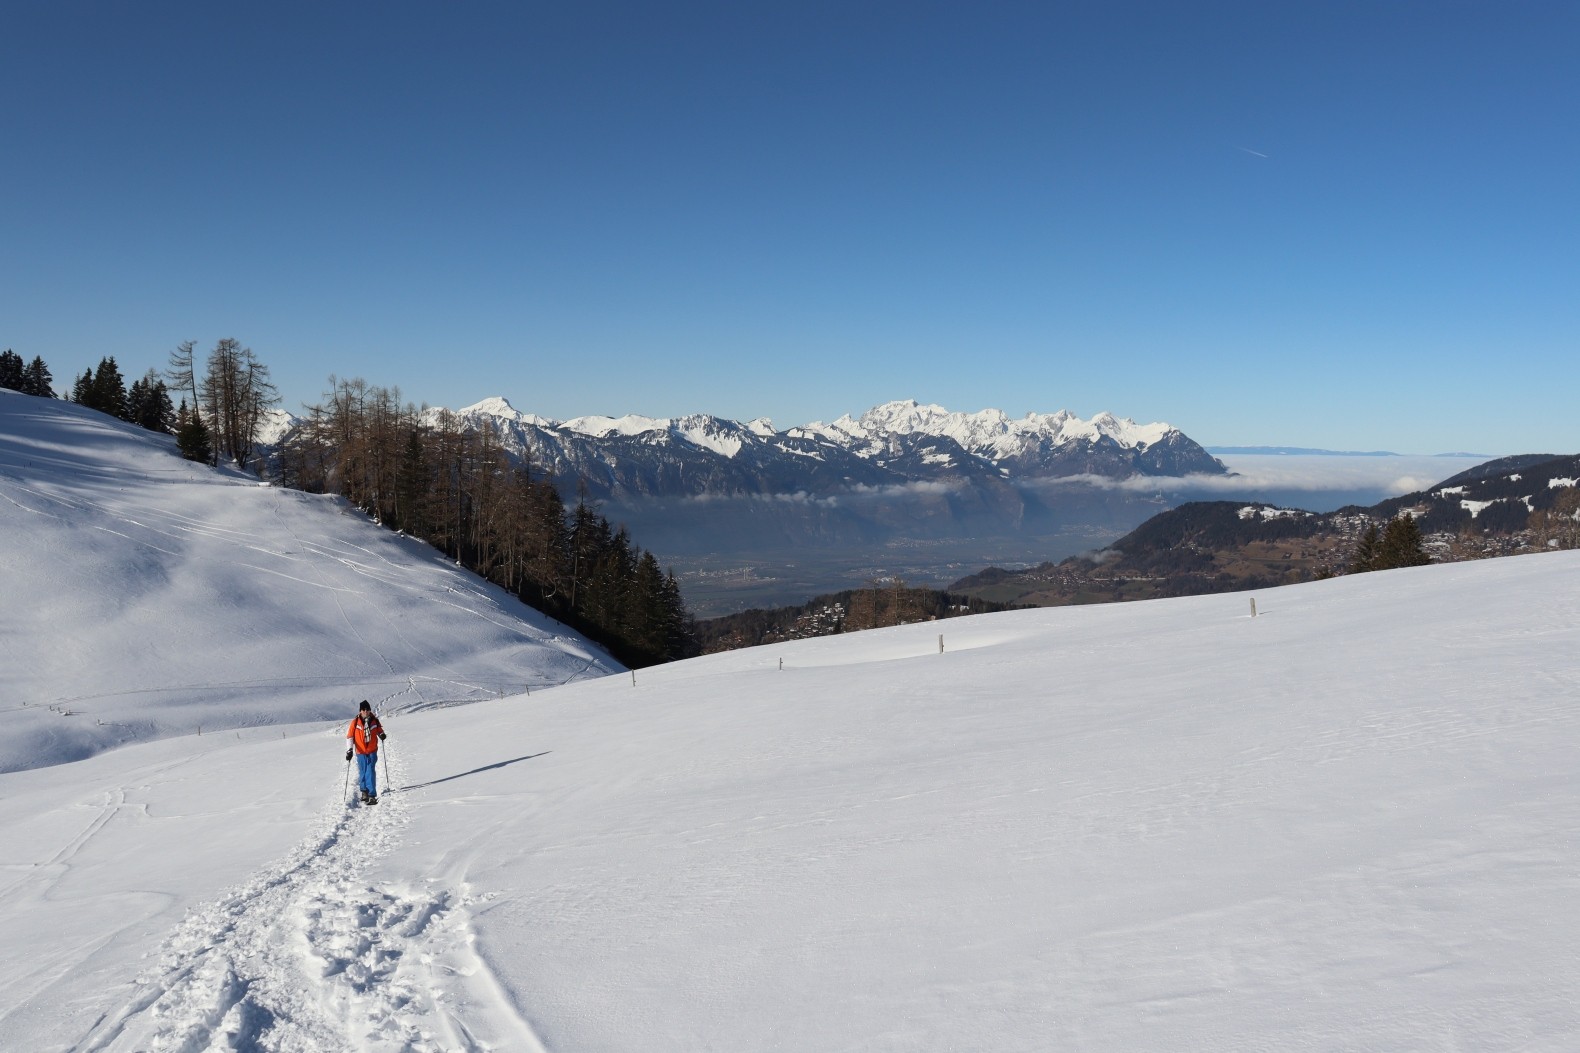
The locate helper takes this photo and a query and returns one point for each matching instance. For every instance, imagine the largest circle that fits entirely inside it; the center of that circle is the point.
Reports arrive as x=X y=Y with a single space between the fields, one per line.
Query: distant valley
x=1506 y=506
x=749 y=514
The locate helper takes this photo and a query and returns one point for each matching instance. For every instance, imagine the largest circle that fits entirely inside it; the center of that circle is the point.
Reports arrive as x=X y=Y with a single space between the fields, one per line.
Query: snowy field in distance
x=1348 y=823
x=146 y=596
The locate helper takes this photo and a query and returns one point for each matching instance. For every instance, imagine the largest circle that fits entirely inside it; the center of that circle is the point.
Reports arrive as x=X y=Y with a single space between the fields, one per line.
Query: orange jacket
x=365 y=741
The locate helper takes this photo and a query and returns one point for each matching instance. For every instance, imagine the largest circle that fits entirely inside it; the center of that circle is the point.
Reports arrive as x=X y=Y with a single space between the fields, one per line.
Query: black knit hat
x=365 y=706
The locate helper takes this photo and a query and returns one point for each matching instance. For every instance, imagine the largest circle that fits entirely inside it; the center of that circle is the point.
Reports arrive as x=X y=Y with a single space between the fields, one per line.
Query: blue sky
x=1344 y=225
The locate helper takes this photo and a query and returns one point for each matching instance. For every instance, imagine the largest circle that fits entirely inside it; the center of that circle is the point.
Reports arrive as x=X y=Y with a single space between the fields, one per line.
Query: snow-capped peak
x=990 y=432
x=494 y=406
x=600 y=427
x=1122 y=430
x=906 y=417
x=699 y=429
x=276 y=424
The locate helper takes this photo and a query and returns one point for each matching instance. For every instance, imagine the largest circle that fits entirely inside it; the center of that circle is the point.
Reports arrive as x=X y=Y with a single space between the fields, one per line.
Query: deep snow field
x=1347 y=823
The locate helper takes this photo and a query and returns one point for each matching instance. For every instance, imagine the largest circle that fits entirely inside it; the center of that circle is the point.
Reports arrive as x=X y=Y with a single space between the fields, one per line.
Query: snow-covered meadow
x=147 y=596
x=1347 y=823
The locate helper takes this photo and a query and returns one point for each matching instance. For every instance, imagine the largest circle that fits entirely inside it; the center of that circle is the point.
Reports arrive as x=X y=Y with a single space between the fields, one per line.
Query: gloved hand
x=348 y=753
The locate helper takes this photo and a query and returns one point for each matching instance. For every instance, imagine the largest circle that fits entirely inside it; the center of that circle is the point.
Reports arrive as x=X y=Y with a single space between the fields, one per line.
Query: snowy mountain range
x=895 y=444
x=1346 y=823
x=702 y=486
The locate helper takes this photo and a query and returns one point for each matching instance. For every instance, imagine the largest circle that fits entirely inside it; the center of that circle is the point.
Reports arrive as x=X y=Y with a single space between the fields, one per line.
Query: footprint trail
x=309 y=956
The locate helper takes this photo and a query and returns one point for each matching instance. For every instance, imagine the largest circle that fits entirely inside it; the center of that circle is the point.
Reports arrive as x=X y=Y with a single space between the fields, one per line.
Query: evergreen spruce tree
x=680 y=638
x=109 y=389
x=589 y=539
x=1365 y=557
x=82 y=390
x=162 y=415
x=192 y=436
x=136 y=399
x=12 y=373
x=148 y=404
x=647 y=609
x=1401 y=545
x=38 y=379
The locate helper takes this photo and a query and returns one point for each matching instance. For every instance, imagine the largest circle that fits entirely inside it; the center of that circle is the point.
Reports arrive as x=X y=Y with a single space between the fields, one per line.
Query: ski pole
x=389 y=787
x=346 y=790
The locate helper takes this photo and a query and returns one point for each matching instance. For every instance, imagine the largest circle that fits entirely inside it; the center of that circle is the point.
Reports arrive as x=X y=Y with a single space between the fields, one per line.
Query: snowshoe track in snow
x=309 y=957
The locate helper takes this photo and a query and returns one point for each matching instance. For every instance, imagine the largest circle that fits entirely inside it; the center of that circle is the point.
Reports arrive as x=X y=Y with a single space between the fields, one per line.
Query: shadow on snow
x=474 y=771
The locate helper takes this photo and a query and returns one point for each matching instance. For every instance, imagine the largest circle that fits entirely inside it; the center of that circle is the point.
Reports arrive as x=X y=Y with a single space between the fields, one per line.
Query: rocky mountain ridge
x=895 y=444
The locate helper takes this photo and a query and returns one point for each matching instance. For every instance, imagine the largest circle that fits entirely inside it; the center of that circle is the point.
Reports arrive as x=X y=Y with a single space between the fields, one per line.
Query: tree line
x=230 y=395
x=428 y=475
x=145 y=403
x=30 y=378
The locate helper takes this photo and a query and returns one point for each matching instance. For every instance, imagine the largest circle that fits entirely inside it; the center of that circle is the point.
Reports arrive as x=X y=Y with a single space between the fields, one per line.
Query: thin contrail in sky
x=1254 y=153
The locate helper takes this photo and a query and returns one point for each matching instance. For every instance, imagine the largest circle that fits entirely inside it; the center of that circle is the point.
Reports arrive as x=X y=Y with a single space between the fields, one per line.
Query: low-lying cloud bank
x=1318 y=483
x=860 y=492
x=1397 y=475
x=1326 y=479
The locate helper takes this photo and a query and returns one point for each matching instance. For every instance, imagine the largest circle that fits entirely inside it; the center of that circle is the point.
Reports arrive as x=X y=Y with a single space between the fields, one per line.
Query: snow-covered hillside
x=146 y=595
x=1347 y=823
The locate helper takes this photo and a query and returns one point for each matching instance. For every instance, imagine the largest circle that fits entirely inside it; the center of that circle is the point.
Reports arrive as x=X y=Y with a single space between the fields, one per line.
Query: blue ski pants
x=367 y=768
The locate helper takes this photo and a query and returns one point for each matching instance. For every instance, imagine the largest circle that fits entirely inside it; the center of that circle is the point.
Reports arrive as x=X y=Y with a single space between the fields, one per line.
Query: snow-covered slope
x=146 y=595
x=1347 y=823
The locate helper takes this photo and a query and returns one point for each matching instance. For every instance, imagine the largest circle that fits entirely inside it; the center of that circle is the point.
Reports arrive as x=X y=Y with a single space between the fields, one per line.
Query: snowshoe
x=372 y=799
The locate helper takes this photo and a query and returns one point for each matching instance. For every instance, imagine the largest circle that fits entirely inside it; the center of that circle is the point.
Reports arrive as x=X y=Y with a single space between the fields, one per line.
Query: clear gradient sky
x=1342 y=225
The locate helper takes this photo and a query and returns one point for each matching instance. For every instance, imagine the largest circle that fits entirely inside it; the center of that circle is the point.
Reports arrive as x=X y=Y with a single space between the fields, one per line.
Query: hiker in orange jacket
x=364 y=734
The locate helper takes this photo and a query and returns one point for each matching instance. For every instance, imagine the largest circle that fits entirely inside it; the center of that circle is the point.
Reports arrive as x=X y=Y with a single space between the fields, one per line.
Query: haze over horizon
x=1340 y=227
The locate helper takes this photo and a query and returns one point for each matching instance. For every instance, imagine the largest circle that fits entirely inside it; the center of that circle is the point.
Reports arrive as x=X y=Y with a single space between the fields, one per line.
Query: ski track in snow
x=309 y=957
x=390 y=623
